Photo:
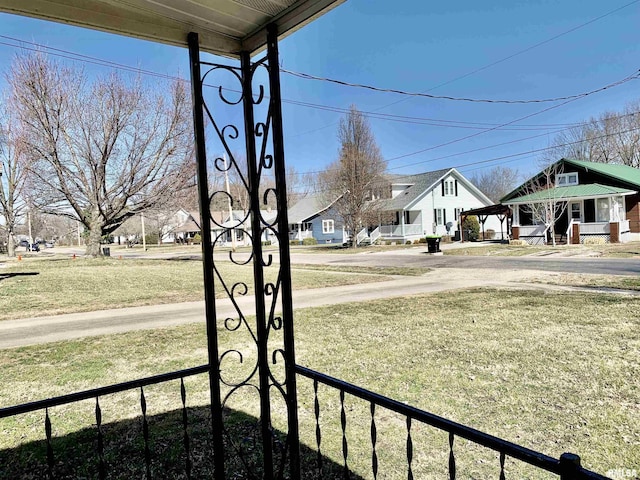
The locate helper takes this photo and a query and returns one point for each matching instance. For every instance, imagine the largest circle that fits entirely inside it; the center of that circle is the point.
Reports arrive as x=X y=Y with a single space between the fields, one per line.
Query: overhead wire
x=307 y=76
x=487 y=66
x=101 y=62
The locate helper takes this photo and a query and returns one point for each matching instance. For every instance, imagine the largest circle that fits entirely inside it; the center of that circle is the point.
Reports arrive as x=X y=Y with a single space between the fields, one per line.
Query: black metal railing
x=97 y=393
x=567 y=466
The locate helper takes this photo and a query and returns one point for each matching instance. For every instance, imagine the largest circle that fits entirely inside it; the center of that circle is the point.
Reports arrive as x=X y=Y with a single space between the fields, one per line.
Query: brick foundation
x=515 y=233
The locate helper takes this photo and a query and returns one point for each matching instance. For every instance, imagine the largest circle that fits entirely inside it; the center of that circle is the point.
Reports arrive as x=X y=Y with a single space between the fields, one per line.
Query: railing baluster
x=409 y=450
x=452 y=459
x=316 y=410
x=101 y=466
x=145 y=434
x=502 y=458
x=185 y=430
x=47 y=431
x=374 y=438
x=345 y=446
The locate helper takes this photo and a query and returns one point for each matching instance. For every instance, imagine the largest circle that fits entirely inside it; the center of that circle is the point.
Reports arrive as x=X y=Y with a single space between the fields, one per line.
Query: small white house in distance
x=430 y=203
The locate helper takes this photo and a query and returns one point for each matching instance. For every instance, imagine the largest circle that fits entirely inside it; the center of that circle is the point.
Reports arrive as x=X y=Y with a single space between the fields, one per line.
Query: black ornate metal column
x=268 y=367
x=207 y=254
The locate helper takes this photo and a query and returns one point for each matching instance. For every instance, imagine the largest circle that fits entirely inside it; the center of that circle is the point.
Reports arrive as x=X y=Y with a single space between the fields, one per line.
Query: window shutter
x=435 y=216
x=456 y=188
x=442 y=185
x=444 y=215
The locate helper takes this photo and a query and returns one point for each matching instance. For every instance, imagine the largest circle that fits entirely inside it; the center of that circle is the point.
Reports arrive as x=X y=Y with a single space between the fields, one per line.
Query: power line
x=485 y=67
x=94 y=60
x=513 y=156
x=462 y=99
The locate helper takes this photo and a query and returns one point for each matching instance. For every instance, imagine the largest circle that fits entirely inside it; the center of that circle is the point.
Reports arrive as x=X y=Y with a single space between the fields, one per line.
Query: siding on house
x=424 y=208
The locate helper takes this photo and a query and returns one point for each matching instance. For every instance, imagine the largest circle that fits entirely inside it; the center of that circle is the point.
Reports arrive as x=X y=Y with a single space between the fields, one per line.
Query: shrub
x=489 y=234
x=266 y=243
x=445 y=239
x=295 y=242
x=197 y=239
x=408 y=242
x=422 y=240
x=388 y=242
x=518 y=243
x=594 y=241
x=151 y=238
x=309 y=241
x=471 y=228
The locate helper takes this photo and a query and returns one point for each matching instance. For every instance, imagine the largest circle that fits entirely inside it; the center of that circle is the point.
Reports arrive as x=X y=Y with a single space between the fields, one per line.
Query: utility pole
x=30 y=234
x=144 y=236
x=226 y=183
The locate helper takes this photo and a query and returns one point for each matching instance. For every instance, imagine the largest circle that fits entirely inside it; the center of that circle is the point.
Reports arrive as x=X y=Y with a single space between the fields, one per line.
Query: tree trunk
x=11 y=244
x=93 y=241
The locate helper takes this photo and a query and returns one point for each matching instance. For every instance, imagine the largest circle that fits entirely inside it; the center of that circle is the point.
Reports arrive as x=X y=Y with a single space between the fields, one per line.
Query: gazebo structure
x=242 y=30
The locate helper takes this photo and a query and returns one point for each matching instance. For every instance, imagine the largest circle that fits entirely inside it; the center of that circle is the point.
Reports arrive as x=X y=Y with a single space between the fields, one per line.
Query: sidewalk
x=31 y=331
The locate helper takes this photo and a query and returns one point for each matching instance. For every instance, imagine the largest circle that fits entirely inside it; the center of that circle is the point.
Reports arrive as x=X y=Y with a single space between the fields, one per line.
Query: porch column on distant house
x=402 y=223
x=614 y=232
x=300 y=231
x=575 y=233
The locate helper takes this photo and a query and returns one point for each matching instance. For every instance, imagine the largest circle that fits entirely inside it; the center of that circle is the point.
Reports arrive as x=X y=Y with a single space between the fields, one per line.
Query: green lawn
x=53 y=286
x=554 y=372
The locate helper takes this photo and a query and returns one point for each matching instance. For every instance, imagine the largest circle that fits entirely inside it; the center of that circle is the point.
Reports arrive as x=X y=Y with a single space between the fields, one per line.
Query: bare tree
x=496 y=182
x=13 y=173
x=104 y=151
x=549 y=205
x=356 y=175
x=612 y=137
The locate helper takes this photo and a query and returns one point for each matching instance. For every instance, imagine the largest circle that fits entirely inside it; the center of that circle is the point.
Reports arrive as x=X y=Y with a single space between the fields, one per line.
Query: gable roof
x=308 y=207
x=623 y=173
x=619 y=174
x=422 y=183
x=419 y=182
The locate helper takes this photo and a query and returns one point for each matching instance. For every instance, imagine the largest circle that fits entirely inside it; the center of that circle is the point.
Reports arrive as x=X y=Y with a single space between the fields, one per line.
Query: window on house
x=602 y=210
x=566 y=179
x=456 y=213
x=406 y=218
x=439 y=216
x=327 y=226
x=576 y=211
x=446 y=188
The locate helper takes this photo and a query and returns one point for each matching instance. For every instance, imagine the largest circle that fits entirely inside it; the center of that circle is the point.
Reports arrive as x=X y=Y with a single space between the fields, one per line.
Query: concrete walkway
x=31 y=331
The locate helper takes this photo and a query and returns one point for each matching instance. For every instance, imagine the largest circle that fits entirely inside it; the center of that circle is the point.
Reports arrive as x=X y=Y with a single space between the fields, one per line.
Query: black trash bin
x=433 y=244
x=106 y=251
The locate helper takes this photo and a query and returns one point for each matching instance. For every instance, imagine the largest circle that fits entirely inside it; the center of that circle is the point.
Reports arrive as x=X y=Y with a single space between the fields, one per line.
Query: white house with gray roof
x=430 y=203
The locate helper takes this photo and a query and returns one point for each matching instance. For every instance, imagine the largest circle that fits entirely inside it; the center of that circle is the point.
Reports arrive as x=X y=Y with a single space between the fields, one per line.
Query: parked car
x=34 y=247
x=48 y=244
x=23 y=243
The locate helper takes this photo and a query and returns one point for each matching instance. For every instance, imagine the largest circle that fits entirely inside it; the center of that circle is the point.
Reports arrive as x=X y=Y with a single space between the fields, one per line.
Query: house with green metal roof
x=573 y=200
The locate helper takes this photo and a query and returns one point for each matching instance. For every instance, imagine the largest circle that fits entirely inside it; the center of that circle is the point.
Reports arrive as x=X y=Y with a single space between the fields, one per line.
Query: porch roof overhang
x=224 y=27
x=575 y=192
x=497 y=209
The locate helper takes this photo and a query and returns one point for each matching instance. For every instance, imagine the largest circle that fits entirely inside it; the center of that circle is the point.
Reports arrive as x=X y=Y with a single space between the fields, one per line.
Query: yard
x=551 y=371
x=37 y=287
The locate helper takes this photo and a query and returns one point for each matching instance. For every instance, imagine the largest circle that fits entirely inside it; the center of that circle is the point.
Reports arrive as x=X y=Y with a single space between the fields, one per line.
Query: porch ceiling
x=225 y=27
x=593 y=190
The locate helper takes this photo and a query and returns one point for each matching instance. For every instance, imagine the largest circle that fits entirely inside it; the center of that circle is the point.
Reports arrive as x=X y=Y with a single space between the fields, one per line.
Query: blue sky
x=420 y=46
